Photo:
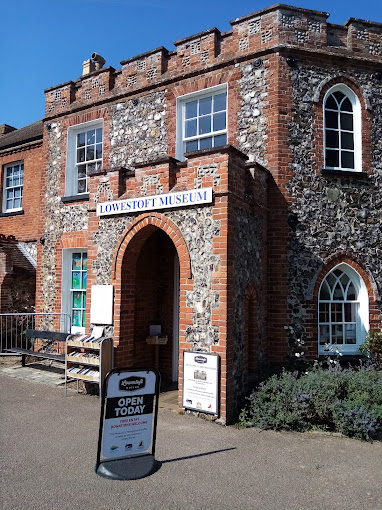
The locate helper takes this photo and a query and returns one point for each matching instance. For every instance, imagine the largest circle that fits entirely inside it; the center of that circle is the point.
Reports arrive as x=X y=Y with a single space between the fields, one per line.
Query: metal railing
x=13 y=328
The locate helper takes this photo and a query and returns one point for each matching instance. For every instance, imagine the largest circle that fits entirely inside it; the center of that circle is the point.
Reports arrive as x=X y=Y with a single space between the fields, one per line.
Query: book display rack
x=88 y=359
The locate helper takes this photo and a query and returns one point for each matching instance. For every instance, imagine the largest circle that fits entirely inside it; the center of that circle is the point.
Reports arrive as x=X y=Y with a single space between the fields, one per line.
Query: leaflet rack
x=88 y=359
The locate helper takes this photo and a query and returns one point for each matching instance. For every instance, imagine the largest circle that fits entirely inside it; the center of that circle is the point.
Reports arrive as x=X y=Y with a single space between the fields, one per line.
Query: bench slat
x=46 y=335
x=46 y=355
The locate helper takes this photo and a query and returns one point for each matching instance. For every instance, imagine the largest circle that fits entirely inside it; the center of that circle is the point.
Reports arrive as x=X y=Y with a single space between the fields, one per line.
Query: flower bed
x=347 y=401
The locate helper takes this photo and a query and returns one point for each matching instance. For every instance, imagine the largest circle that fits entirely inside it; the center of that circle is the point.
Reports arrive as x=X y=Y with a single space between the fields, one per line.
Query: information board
x=128 y=421
x=201 y=382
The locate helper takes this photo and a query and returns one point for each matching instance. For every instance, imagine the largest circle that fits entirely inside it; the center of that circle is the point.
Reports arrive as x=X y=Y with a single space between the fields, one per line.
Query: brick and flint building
x=281 y=118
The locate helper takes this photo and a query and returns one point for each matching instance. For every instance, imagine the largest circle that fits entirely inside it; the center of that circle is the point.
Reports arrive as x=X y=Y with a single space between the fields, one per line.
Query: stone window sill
x=326 y=172
x=11 y=213
x=75 y=198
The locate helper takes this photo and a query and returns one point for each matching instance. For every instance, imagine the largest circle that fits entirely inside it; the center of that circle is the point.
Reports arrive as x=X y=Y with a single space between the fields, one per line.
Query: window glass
x=339 y=311
x=78 y=282
x=204 y=122
x=88 y=158
x=13 y=187
x=339 y=132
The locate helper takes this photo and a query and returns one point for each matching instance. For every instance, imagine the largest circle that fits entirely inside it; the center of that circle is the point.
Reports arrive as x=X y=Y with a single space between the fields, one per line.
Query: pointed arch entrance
x=151 y=265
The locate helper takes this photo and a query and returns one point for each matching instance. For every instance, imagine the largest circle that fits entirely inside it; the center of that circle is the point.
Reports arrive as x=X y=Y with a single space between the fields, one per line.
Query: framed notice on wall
x=201 y=382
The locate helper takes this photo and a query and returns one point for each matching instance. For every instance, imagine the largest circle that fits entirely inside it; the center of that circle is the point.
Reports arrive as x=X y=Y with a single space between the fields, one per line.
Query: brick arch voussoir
x=349 y=81
x=162 y=222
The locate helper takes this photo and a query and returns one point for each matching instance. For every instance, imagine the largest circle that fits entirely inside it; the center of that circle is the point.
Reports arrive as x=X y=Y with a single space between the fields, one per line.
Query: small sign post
x=128 y=421
x=201 y=382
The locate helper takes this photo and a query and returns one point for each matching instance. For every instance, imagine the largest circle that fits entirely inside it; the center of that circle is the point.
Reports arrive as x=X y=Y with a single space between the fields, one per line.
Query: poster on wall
x=201 y=382
x=129 y=412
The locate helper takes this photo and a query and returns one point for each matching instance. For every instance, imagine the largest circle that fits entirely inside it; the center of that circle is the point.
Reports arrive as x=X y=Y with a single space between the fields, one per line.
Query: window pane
x=205 y=105
x=82 y=186
x=336 y=312
x=17 y=193
x=80 y=155
x=350 y=334
x=190 y=128
x=324 y=292
x=347 y=141
x=220 y=140
x=352 y=295
x=219 y=121
x=76 y=280
x=76 y=318
x=80 y=139
x=76 y=261
x=344 y=280
x=350 y=312
x=332 y=158
x=324 y=312
x=10 y=193
x=220 y=102
x=81 y=171
x=84 y=300
x=84 y=275
x=346 y=121
x=338 y=293
x=206 y=143
x=332 y=139
x=331 y=119
x=89 y=153
x=17 y=203
x=77 y=299
x=90 y=137
x=99 y=135
x=337 y=273
x=324 y=335
x=337 y=334
x=84 y=261
x=331 y=103
x=346 y=105
x=192 y=146
x=331 y=280
x=191 y=109
x=205 y=125
x=347 y=159
x=83 y=319
x=98 y=151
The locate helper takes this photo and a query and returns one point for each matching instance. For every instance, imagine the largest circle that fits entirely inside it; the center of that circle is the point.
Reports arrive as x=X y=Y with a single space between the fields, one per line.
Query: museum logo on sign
x=200 y=359
x=132 y=383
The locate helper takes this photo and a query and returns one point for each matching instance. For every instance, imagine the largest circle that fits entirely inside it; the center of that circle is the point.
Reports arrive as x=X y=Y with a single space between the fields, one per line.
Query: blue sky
x=44 y=42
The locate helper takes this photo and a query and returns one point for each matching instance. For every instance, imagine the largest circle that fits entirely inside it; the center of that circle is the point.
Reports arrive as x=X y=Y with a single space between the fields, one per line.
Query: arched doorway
x=150 y=297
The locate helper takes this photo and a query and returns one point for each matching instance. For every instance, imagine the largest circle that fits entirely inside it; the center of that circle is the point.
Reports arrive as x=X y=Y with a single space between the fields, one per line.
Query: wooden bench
x=50 y=336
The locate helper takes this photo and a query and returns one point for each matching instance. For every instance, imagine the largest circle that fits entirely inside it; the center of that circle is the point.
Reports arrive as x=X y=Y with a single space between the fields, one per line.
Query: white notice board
x=101 y=309
x=201 y=382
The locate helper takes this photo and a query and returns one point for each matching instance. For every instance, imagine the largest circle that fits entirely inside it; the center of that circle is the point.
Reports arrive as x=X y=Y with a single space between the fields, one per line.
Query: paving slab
x=48 y=448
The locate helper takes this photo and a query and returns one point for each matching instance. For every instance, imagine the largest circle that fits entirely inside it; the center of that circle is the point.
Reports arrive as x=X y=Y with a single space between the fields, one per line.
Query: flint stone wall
x=248 y=263
x=138 y=130
x=333 y=213
x=59 y=218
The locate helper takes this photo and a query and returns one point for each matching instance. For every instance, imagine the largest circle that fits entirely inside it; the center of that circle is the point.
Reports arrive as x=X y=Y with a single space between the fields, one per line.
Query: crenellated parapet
x=268 y=30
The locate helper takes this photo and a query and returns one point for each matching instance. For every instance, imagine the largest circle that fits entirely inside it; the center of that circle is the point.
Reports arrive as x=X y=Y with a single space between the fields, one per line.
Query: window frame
x=66 y=288
x=357 y=128
x=362 y=313
x=71 y=178
x=180 y=117
x=21 y=187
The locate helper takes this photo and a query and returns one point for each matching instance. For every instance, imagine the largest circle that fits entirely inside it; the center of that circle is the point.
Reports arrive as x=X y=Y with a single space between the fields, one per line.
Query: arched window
x=343 y=311
x=342 y=129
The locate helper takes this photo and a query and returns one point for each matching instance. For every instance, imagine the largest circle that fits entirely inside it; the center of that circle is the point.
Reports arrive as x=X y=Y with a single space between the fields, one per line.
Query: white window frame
x=362 y=318
x=71 y=178
x=180 y=116
x=357 y=127
x=5 y=209
x=66 y=293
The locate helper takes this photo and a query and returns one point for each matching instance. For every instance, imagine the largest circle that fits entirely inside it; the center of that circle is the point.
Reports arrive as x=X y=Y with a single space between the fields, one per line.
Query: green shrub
x=373 y=345
x=347 y=401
